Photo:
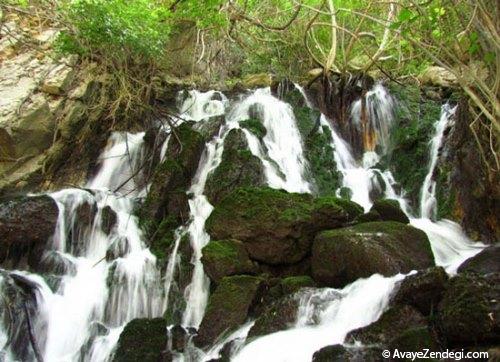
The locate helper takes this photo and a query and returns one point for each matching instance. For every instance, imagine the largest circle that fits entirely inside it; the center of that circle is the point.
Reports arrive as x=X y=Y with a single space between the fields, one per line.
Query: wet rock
x=278 y=316
x=487 y=261
x=391 y=325
x=178 y=338
x=229 y=307
x=109 y=219
x=339 y=353
x=26 y=225
x=18 y=299
x=142 y=340
x=414 y=339
x=438 y=76
x=226 y=257
x=293 y=284
x=341 y=256
x=277 y=227
x=423 y=290
x=166 y=205
x=255 y=126
x=389 y=210
x=238 y=168
x=469 y=313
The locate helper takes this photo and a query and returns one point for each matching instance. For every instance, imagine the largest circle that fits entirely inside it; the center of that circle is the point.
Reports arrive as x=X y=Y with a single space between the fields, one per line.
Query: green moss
x=466 y=309
x=410 y=136
x=228 y=307
x=255 y=126
x=293 y=284
x=238 y=167
x=317 y=145
x=390 y=210
x=335 y=204
x=226 y=257
x=445 y=195
x=415 y=339
x=164 y=238
x=142 y=340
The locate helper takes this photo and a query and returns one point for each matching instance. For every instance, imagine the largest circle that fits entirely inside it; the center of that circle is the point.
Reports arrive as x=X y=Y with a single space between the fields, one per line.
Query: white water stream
x=339 y=311
x=97 y=295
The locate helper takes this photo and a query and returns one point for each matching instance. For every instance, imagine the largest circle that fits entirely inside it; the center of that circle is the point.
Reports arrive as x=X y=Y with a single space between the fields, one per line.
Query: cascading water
x=375 y=119
x=336 y=310
x=281 y=152
x=428 y=194
x=324 y=318
x=106 y=276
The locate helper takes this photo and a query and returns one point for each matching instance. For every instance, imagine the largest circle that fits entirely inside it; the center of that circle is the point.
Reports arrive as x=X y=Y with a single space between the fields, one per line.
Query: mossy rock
x=485 y=262
x=166 y=205
x=341 y=256
x=255 y=126
x=223 y=258
x=389 y=210
x=469 y=313
x=423 y=290
x=392 y=324
x=277 y=227
x=238 y=168
x=293 y=284
x=414 y=128
x=340 y=353
x=415 y=339
x=277 y=316
x=317 y=143
x=142 y=340
x=229 y=306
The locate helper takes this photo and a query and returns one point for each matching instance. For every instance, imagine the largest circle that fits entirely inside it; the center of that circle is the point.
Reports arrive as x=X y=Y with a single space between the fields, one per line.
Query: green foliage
x=115 y=28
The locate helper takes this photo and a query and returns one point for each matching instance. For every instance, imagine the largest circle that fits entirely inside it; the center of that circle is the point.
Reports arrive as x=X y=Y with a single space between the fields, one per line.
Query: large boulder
x=229 y=306
x=166 y=205
x=26 y=226
x=238 y=168
x=142 y=340
x=423 y=290
x=223 y=258
x=469 y=313
x=341 y=256
x=277 y=227
x=389 y=210
x=277 y=316
x=391 y=325
x=487 y=261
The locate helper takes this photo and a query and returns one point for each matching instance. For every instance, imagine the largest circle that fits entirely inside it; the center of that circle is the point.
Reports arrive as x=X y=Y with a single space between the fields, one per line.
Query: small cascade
x=375 y=117
x=324 y=318
x=197 y=106
x=428 y=194
x=104 y=276
x=281 y=152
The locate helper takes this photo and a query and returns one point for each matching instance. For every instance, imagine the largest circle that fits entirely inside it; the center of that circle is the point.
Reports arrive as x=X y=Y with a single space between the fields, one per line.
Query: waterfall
x=281 y=152
x=428 y=194
x=325 y=317
x=105 y=274
x=102 y=275
x=376 y=123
